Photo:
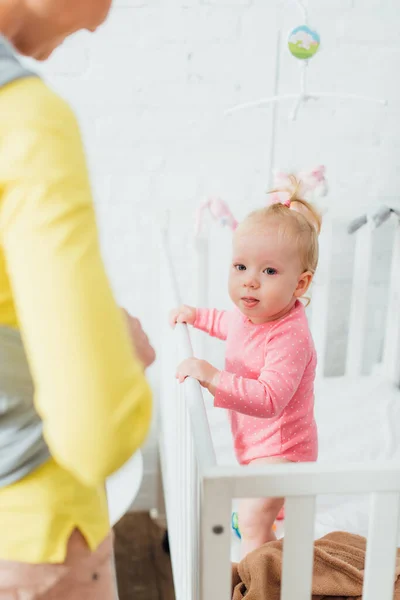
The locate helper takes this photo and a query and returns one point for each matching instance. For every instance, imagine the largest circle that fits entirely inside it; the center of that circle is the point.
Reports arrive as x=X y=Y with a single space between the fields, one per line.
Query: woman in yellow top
x=74 y=402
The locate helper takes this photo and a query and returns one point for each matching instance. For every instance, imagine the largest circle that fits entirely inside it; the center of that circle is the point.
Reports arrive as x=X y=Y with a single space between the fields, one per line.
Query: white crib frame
x=199 y=494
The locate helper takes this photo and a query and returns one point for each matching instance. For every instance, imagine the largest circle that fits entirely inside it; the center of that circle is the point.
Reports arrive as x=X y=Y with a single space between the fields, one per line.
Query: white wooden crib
x=199 y=486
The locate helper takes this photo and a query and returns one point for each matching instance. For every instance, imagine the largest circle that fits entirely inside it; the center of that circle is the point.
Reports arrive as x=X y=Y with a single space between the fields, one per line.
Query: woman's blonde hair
x=299 y=217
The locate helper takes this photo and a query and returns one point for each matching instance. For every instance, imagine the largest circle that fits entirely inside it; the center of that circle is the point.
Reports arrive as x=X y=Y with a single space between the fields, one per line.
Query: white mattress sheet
x=358 y=421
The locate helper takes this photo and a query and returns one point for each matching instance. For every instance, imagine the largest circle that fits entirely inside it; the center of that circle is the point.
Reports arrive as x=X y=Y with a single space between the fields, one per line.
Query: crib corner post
x=359 y=301
x=215 y=540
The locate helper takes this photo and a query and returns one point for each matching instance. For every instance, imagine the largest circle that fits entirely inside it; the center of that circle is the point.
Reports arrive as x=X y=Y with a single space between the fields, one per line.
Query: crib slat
x=381 y=547
x=201 y=275
x=359 y=299
x=180 y=583
x=189 y=516
x=320 y=296
x=168 y=421
x=201 y=270
x=185 y=508
x=298 y=548
x=391 y=352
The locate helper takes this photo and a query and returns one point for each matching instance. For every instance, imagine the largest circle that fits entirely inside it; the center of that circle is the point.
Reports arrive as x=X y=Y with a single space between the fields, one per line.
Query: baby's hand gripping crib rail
x=199 y=493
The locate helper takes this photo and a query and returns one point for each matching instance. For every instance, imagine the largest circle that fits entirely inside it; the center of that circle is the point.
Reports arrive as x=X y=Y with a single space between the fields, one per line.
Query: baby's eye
x=240 y=267
x=270 y=271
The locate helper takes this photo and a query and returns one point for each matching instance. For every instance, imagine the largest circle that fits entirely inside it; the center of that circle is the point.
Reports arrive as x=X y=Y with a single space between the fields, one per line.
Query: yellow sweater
x=90 y=390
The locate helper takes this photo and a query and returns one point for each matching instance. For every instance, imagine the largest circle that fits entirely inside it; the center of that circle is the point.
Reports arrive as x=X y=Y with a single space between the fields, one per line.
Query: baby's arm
x=286 y=359
x=212 y=321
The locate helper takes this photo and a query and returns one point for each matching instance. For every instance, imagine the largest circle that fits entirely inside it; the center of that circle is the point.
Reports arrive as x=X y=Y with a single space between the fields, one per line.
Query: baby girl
x=268 y=381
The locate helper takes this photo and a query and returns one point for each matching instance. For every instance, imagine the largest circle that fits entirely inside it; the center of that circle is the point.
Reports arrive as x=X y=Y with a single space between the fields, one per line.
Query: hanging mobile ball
x=303 y=42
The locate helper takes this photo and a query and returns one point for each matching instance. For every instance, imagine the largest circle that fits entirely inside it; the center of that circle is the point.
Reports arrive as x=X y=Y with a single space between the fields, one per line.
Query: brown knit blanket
x=339 y=560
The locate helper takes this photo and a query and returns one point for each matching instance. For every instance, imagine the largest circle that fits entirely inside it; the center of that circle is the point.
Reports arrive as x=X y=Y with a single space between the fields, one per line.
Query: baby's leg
x=257 y=515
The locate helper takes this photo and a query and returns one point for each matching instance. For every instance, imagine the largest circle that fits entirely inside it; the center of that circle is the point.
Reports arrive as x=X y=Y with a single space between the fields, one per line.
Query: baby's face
x=266 y=275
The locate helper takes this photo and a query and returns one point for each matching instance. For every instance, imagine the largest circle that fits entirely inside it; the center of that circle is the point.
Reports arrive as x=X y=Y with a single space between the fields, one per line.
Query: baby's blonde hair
x=299 y=217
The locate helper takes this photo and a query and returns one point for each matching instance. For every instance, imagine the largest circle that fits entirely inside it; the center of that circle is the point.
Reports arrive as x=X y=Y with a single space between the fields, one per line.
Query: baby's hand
x=206 y=374
x=183 y=314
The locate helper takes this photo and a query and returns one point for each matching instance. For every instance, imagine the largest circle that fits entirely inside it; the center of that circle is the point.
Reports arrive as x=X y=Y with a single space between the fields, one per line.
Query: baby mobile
x=303 y=43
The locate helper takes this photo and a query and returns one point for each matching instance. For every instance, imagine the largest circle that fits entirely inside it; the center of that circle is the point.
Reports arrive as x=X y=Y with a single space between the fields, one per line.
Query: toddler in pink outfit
x=268 y=381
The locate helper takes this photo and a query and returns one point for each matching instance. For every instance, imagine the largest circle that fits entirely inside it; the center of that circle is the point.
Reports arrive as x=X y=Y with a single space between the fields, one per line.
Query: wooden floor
x=143 y=568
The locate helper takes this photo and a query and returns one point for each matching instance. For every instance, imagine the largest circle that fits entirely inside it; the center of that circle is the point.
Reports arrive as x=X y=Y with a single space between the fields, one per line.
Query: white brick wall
x=150 y=89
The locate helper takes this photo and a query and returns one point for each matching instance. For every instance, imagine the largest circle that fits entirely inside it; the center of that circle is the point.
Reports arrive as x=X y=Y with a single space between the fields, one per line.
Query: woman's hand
x=144 y=349
x=206 y=374
x=183 y=314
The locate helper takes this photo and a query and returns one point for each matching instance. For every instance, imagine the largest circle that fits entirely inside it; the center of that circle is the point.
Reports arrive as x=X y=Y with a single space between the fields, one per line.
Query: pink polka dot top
x=268 y=383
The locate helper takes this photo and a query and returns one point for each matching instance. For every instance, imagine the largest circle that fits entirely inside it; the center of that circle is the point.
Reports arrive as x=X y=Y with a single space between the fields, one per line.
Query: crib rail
x=186 y=448
x=194 y=406
x=300 y=484
x=199 y=493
